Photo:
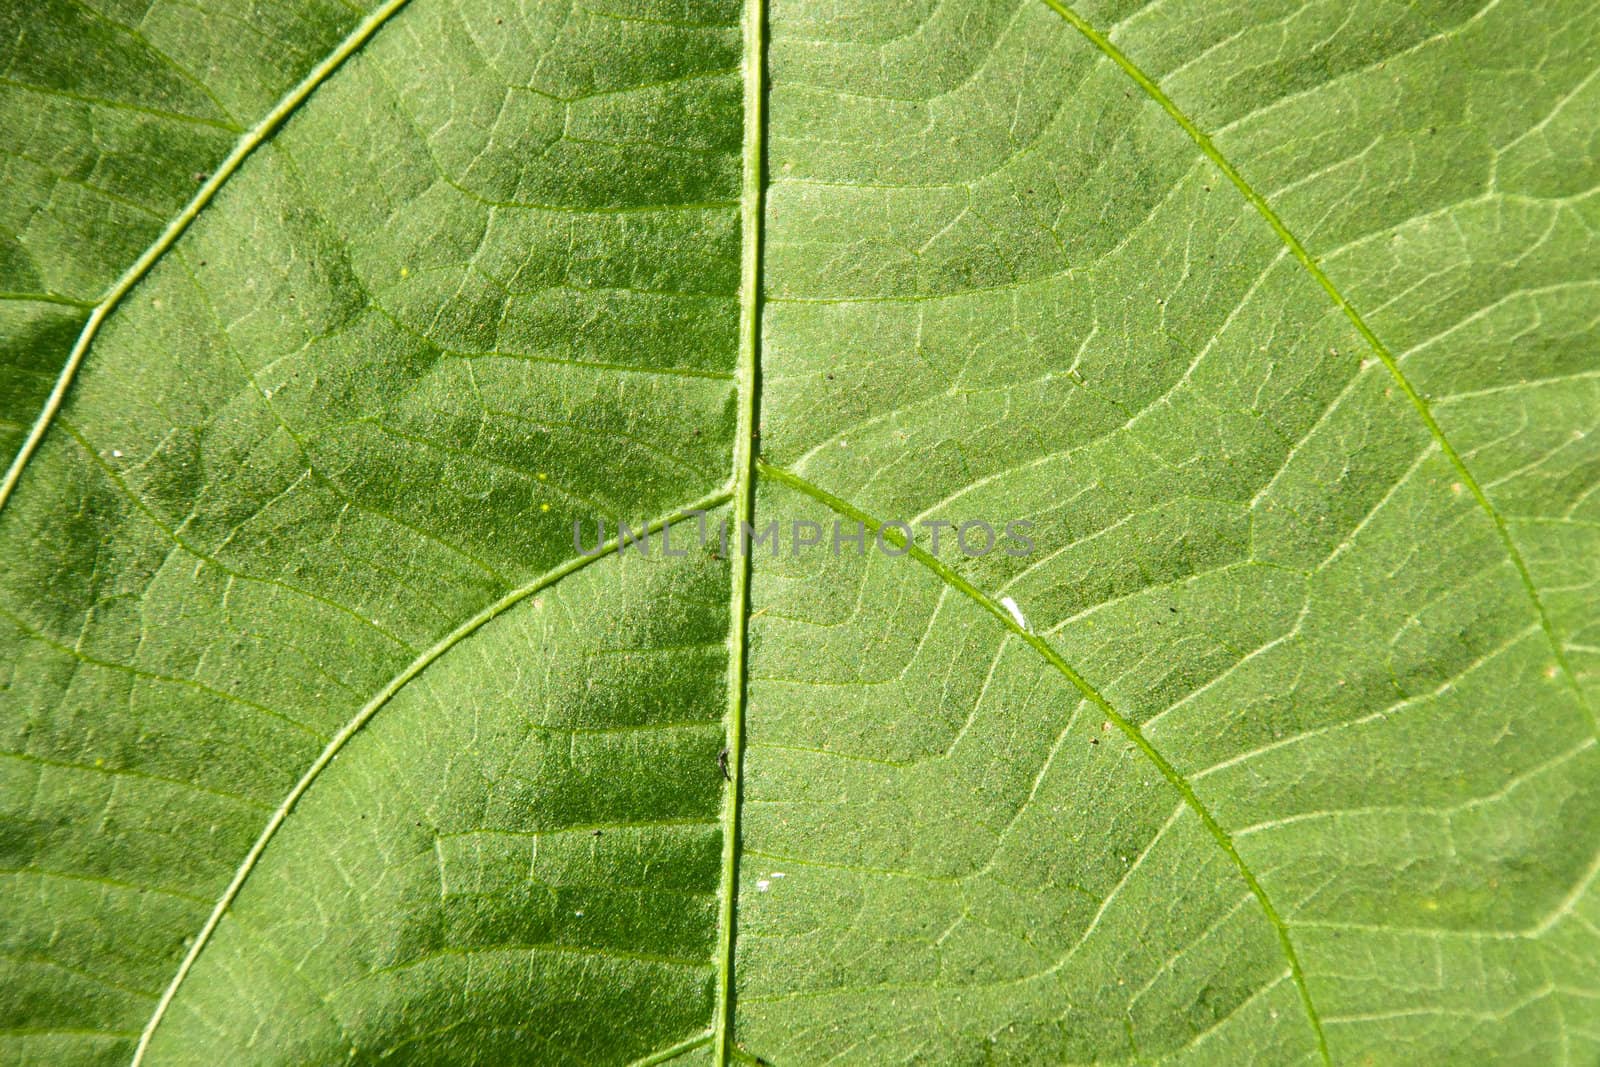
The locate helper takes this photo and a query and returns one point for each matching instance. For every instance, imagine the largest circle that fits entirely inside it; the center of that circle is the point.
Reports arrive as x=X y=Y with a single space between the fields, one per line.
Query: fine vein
x=253 y=138
x=1300 y=253
x=744 y=459
x=371 y=708
x=1171 y=773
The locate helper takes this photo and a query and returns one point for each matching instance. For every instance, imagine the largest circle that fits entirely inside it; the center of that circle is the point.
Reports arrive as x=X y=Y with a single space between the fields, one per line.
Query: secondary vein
x=1306 y=260
x=252 y=139
x=371 y=708
x=744 y=459
x=672 y=1052
x=1130 y=729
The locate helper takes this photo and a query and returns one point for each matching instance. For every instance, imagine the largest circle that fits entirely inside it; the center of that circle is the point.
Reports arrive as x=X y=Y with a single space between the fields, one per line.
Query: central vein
x=744 y=449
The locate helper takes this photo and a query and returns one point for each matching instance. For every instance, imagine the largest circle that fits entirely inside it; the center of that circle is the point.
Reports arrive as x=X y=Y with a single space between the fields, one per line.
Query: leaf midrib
x=745 y=459
x=745 y=464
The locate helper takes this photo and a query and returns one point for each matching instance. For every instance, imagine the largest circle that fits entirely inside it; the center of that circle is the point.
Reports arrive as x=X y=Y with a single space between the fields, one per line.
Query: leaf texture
x=324 y=742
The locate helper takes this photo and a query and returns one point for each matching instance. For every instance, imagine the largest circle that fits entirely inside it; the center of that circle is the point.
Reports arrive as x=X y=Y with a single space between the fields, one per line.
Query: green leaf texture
x=321 y=743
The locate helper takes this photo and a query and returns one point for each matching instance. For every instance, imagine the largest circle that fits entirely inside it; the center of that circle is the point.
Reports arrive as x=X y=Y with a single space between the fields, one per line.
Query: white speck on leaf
x=1016 y=612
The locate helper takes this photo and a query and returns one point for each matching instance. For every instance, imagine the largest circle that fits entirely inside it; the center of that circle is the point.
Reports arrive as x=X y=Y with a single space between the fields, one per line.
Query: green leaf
x=323 y=742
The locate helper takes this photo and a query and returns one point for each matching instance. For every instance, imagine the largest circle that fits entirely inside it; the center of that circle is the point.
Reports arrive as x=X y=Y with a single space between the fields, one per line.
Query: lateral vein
x=371 y=708
x=253 y=138
x=1130 y=729
x=1419 y=403
x=672 y=1052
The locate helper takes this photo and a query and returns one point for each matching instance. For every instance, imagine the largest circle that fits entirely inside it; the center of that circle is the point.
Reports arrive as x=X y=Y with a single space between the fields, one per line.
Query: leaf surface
x=323 y=742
